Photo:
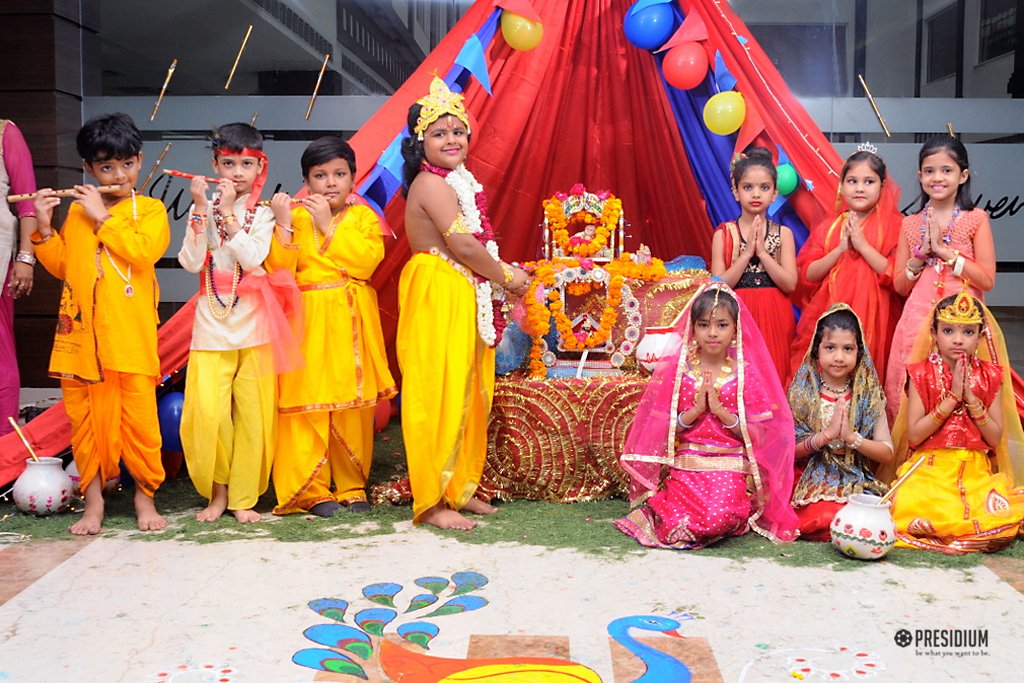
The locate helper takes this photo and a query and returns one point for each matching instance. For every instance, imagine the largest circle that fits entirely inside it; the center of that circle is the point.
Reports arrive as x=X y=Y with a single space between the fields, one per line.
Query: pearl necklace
x=129 y=291
x=212 y=297
x=331 y=227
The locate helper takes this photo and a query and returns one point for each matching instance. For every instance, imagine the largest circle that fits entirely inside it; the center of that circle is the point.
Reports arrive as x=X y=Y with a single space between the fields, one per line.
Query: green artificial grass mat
x=586 y=527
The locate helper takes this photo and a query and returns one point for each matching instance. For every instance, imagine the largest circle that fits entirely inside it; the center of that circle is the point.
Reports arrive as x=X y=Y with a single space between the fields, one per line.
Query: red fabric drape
x=584 y=106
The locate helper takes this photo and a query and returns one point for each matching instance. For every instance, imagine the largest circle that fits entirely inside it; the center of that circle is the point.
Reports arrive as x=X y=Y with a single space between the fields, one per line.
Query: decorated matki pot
x=650 y=348
x=43 y=488
x=863 y=528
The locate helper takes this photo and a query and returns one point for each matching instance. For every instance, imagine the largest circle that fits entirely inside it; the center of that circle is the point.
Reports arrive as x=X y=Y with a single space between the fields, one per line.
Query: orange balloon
x=519 y=32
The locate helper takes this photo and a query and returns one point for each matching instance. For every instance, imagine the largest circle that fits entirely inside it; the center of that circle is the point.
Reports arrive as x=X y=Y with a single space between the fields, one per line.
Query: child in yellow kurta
x=228 y=422
x=105 y=349
x=450 y=319
x=325 y=421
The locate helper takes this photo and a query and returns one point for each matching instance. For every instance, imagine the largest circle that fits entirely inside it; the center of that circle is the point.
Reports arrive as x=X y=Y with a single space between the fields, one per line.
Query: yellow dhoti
x=232 y=394
x=115 y=420
x=447 y=383
x=323 y=447
x=953 y=503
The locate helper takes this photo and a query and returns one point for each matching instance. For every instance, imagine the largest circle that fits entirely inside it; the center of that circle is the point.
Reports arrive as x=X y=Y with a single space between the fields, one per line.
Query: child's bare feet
x=217 y=505
x=444 y=517
x=145 y=513
x=478 y=507
x=246 y=516
x=92 y=518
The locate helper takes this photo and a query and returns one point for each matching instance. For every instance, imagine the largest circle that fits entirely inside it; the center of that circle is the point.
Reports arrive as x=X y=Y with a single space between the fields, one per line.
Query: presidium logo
x=945 y=642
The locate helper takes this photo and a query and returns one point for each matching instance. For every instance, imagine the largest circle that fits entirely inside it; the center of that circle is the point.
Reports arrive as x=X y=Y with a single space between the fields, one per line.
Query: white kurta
x=243 y=327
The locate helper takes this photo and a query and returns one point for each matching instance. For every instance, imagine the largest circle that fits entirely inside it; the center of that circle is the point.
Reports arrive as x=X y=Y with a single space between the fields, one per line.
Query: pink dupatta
x=768 y=438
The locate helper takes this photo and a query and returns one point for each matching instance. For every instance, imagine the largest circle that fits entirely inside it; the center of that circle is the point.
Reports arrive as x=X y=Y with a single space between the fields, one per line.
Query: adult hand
x=21 y=280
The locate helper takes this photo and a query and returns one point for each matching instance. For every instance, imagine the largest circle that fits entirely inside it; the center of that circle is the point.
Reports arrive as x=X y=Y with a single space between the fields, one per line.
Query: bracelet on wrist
x=856 y=442
x=286 y=228
x=684 y=425
x=913 y=275
x=958 y=266
x=44 y=239
x=26 y=257
x=734 y=425
x=981 y=420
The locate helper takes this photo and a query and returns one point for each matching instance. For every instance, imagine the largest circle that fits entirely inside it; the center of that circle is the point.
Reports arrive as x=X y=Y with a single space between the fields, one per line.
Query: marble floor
x=135 y=611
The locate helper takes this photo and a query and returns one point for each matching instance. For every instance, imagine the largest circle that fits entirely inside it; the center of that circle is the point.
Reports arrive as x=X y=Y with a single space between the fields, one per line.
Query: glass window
x=997 y=32
x=942 y=44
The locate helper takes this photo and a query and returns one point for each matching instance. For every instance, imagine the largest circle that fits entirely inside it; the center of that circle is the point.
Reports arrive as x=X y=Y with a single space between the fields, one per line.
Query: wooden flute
x=12 y=198
x=189 y=176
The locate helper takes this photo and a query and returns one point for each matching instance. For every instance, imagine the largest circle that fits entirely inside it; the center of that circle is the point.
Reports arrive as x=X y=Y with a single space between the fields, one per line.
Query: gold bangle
x=507 y=274
x=231 y=218
x=937 y=417
x=45 y=239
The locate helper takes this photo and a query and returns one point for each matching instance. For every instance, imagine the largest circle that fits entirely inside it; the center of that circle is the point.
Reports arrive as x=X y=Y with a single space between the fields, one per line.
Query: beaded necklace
x=129 y=291
x=947 y=234
x=331 y=227
x=212 y=296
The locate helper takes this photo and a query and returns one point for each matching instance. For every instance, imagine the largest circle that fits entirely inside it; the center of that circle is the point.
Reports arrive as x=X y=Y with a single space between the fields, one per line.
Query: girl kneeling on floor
x=710 y=453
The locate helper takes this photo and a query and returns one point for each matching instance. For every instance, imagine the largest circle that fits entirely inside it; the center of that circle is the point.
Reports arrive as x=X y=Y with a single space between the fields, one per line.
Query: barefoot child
x=959 y=419
x=713 y=417
x=448 y=324
x=756 y=257
x=325 y=420
x=839 y=414
x=228 y=420
x=849 y=259
x=105 y=349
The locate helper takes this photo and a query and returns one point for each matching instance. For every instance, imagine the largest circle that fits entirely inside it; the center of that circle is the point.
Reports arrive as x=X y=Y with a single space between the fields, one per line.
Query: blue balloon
x=168 y=411
x=651 y=27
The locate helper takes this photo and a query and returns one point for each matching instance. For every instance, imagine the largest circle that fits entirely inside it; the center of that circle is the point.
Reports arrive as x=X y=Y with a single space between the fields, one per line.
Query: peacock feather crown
x=439 y=102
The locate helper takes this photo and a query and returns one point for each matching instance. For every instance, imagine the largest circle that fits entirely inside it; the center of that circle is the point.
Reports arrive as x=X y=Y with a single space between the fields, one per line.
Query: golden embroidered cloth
x=560 y=439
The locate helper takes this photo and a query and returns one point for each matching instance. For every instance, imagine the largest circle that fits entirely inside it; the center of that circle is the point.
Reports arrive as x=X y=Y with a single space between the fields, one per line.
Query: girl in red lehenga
x=947 y=242
x=756 y=257
x=710 y=453
x=850 y=259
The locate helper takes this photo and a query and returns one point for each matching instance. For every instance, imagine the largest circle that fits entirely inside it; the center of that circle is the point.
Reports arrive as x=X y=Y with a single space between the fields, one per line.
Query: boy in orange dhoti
x=326 y=409
x=105 y=348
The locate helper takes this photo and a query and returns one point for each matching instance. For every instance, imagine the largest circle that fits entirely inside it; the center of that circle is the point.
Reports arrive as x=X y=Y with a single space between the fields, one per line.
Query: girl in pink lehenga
x=710 y=452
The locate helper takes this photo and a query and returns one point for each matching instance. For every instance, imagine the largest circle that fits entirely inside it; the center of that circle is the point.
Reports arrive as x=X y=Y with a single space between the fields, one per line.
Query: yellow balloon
x=519 y=32
x=724 y=112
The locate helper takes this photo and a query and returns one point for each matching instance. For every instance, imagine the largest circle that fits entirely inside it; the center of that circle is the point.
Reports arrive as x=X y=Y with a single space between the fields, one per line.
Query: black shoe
x=325 y=509
x=359 y=506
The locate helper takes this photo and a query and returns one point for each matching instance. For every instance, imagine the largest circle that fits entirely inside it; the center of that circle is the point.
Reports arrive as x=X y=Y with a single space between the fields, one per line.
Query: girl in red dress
x=849 y=259
x=756 y=257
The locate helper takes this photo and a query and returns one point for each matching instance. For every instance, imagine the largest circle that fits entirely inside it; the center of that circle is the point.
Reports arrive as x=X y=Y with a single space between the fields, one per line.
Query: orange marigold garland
x=578 y=276
x=583 y=210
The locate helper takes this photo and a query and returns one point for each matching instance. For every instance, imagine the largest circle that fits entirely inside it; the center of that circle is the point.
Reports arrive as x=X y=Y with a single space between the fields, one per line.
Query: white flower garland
x=466 y=188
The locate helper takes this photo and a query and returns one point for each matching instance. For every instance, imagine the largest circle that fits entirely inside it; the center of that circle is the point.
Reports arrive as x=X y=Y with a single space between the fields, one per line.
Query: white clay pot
x=43 y=488
x=863 y=528
x=650 y=348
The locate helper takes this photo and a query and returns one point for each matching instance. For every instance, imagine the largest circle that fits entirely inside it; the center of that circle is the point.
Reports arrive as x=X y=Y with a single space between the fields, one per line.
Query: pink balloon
x=685 y=66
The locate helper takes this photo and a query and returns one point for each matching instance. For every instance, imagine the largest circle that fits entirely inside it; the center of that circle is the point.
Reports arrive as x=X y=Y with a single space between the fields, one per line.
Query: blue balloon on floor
x=168 y=411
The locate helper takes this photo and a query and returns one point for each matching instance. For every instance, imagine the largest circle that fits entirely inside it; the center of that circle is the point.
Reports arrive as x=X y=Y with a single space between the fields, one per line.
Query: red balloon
x=685 y=66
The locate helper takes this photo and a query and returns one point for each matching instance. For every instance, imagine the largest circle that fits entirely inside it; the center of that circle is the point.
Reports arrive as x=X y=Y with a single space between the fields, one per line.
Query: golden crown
x=440 y=102
x=963 y=311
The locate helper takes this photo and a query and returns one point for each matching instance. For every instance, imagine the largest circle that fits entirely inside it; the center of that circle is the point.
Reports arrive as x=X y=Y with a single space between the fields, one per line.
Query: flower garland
x=559 y=223
x=490 y=322
x=578 y=276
